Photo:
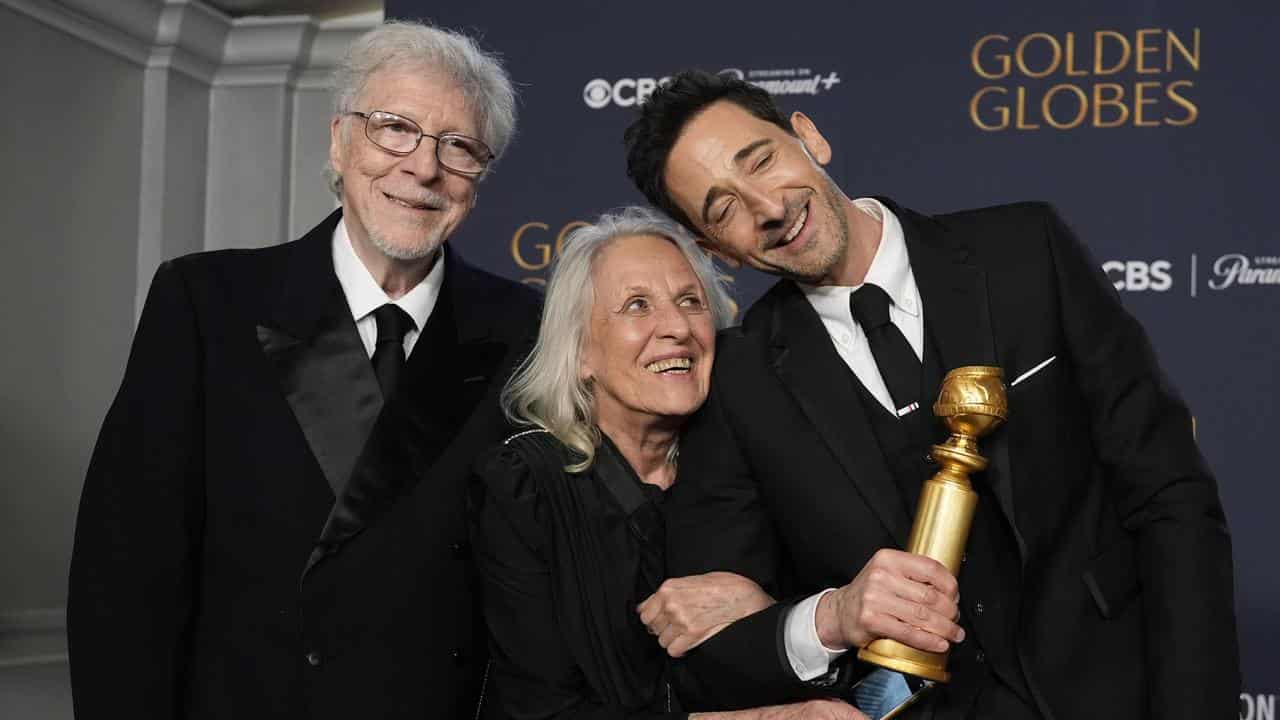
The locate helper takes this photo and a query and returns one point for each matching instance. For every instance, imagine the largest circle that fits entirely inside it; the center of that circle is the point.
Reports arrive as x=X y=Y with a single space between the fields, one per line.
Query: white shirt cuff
x=809 y=658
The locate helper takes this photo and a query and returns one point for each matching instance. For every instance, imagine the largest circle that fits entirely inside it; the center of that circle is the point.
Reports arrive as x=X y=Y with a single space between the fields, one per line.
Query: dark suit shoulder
x=1016 y=235
x=241 y=277
x=491 y=300
x=219 y=262
x=741 y=355
x=1027 y=215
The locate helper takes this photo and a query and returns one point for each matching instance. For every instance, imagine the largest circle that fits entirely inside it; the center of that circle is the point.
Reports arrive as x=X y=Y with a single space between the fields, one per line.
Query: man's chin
x=406 y=251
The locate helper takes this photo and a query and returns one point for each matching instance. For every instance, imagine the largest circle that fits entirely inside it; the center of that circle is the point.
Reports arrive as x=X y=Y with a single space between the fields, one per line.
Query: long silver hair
x=414 y=45
x=547 y=390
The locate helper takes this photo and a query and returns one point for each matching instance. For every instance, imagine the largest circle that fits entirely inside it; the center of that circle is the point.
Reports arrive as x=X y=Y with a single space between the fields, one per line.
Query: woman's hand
x=685 y=611
x=811 y=710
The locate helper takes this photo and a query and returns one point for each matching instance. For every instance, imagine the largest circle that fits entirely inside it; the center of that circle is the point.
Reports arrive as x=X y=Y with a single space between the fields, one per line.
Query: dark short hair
x=663 y=116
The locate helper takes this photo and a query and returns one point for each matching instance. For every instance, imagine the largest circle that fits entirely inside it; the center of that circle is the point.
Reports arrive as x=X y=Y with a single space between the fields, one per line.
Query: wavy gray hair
x=405 y=43
x=547 y=391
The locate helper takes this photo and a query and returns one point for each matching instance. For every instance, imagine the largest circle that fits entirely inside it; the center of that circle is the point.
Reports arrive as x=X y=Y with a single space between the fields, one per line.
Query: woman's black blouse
x=564 y=560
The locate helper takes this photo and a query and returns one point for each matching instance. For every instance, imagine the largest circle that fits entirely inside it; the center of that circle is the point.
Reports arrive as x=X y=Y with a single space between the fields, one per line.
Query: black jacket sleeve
x=139 y=523
x=1166 y=496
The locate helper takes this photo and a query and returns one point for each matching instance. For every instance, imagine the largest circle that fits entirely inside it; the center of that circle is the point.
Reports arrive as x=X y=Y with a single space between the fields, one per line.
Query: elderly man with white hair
x=272 y=522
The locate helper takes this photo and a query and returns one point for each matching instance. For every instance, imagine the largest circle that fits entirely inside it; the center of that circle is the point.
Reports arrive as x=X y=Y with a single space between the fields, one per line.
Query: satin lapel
x=446 y=374
x=957 y=317
x=311 y=342
x=811 y=369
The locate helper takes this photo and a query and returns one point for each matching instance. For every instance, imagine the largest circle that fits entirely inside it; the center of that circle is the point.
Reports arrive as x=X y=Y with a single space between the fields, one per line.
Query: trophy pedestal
x=894 y=655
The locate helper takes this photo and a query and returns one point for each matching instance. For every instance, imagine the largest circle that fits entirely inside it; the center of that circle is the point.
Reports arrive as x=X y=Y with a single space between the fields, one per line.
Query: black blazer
x=214 y=575
x=1125 y=591
x=564 y=559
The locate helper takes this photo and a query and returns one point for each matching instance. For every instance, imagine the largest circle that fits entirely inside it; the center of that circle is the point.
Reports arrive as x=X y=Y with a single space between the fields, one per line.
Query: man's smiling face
x=404 y=206
x=758 y=194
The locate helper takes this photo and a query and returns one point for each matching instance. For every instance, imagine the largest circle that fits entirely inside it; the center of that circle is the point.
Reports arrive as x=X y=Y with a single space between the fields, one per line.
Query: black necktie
x=897 y=362
x=388 y=350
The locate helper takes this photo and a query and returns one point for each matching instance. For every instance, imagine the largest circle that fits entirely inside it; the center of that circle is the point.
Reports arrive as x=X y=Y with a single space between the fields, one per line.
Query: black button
x=978 y=608
x=457 y=656
x=928 y=459
x=313 y=659
x=458 y=548
x=964 y=557
x=980 y=656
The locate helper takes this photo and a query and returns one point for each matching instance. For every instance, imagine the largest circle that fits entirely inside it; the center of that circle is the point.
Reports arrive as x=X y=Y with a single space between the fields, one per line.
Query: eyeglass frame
x=417 y=143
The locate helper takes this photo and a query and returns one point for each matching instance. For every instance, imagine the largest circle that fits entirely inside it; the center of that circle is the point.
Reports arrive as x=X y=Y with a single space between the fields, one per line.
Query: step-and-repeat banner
x=1153 y=125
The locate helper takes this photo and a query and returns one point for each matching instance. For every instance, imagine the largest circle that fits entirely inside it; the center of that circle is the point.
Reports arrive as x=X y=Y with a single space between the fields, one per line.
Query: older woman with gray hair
x=568 y=527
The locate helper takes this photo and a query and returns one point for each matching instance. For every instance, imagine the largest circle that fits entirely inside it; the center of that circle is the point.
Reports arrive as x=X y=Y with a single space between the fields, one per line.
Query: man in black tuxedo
x=1097 y=580
x=272 y=522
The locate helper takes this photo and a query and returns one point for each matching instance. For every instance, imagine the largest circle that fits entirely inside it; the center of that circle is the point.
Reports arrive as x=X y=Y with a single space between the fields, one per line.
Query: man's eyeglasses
x=401 y=136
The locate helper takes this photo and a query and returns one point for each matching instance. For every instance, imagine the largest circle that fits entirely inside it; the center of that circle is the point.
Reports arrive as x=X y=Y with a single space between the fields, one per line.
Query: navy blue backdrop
x=1151 y=124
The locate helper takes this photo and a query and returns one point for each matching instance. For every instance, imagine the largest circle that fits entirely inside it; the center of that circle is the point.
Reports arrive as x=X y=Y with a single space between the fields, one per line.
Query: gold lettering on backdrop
x=1144 y=49
x=1192 y=111
x=1115 y=101
x=1080 y=114
x=1022 y=112
x=1072 y=70
x=1140 y=100
x=1192 y=57
x=1020 y=55
x=1101 y=78
x=544 y=258
x=535 y=255
x=1002 y=58
x=1098 y=46
x=1002 y=111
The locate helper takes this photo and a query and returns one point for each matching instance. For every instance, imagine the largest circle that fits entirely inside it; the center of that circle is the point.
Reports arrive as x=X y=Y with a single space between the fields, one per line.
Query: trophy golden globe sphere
x=972 y=403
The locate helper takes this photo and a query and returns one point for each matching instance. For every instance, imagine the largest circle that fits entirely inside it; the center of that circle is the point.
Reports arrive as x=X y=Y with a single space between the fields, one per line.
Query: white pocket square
x=1033 y=370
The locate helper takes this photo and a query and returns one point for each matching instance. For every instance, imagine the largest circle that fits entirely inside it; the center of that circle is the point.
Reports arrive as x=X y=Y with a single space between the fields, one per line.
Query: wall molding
x=126 y=32
x=33 y=637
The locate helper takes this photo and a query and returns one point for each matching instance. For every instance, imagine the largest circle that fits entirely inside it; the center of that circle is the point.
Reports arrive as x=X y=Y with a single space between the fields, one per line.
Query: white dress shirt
x=891 y=270
x=364 y=294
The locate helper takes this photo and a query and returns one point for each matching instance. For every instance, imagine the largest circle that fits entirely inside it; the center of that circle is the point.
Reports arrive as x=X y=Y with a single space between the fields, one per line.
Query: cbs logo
x=626 y=92
x=1139 y=275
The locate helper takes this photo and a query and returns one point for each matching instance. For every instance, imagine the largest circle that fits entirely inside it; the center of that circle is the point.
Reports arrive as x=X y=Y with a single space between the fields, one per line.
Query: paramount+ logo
x=1101 y=79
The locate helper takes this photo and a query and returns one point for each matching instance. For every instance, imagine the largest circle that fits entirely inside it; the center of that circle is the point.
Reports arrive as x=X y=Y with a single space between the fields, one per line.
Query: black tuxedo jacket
x=1124 y=595
x=215 y=574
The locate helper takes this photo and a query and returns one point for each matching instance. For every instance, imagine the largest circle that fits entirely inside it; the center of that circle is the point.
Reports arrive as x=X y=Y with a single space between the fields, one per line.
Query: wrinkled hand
x=909 y=598
x=811 y=710
x=821 y=710
x=685 y=611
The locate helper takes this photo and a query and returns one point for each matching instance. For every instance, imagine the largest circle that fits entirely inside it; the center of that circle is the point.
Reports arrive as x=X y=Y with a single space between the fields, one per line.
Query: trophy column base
x=901 y=658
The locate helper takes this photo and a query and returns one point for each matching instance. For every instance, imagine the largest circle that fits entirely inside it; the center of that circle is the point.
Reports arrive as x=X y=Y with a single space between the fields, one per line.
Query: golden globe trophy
x=972 y=403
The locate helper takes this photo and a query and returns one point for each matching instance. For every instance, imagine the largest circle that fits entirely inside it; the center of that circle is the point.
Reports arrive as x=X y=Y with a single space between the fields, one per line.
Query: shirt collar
x=890 y=269
x=364 y=295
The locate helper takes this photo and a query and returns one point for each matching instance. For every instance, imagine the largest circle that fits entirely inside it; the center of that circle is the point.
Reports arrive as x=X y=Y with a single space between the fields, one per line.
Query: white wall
x=135 y=131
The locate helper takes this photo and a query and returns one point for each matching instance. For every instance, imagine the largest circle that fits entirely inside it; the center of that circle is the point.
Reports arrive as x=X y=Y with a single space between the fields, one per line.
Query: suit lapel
x=815 y=375
x=957 y=317
x=446 y=374
x=312 y=344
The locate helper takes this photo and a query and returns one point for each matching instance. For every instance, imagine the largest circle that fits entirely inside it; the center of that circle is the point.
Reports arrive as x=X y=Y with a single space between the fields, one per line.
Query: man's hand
x=811 y=710
x=685 y=611
x=909 y=598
